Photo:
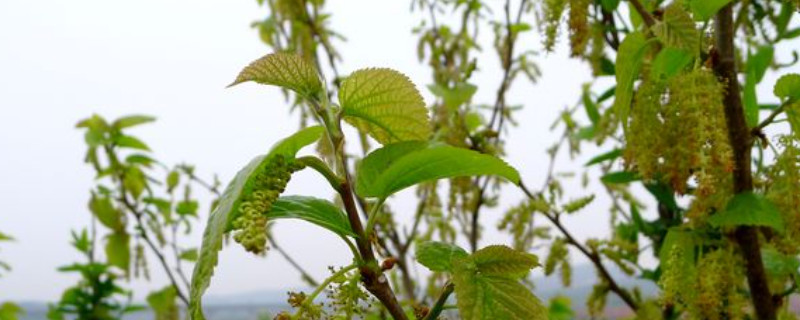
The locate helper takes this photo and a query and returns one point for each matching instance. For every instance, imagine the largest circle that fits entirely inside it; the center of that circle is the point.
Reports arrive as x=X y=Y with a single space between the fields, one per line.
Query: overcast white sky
x=63 y=60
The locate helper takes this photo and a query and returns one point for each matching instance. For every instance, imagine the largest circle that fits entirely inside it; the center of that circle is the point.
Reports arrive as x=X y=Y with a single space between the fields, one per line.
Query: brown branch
x=780 y=109
x=143 y=232
x=371 y=274
x=648 y=19
x=593 y=256
x=741 y=142
x=438 y=306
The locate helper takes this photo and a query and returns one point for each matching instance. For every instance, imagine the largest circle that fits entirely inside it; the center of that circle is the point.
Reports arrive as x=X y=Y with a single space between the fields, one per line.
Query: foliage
x=719 y=173
x=97 y=295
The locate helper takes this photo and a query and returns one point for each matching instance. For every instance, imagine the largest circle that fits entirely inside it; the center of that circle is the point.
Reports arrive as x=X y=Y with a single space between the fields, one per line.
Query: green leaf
x=384 y=104
x=620 y=177
x=590 y=106
x=456 y=96
x=317 y=211
x=118 y=250
x=750 y=101
x=487 y=297
x=5 y=237
x=144 y=160
x=758 y=63
x=286 y=70
x=187 y=207
x=219 y=222
x=398 y=166
x=678 y=239
x=134 y=181
x=748 y=209
x=133 y=120
x=706 y=9
x=778 y=264
x=131 y=142
x=611 y=155
x=106 y=213
x=163 y=304
x=560 y=308
x=677 y=29
x=10 y=311
x=669 y=62
x=189 y=255
x=609 y=5
x=439 y=256
x=788 y=87
x=502 y=261
x=173 y=178
x=629 y=62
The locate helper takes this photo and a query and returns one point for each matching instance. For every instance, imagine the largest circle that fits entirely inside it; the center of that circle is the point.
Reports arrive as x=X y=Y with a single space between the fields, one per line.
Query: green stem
x=310 y=299
x=373 y=214
x=318 y=165
x=439 y=306
x=353 y=249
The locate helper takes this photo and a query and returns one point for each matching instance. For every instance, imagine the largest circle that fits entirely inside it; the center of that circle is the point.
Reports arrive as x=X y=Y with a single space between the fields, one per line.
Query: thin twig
x=591 y=255
x=303 y=273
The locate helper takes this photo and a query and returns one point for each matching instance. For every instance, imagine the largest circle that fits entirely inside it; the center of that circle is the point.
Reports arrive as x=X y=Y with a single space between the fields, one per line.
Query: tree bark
x=741 y=142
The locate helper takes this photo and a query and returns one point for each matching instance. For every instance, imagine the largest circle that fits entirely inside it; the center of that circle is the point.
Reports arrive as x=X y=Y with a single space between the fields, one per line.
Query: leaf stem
x=373 y=215
x=438 y=307
x=318 y=165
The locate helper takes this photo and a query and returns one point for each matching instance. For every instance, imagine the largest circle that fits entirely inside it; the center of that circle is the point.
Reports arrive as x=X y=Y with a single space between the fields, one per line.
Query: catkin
x=578 y=26
x=269 y=183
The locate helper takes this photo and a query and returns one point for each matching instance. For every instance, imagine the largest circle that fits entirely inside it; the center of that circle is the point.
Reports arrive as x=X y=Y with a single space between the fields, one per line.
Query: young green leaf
x=484 y=297
x=629 y=62
x=611 y=155
x=133 y=120
x=589 y=105
x=778 y=264
x=705 y=9
x=219 y=222
x=677 y=29
x=286 y=70
x=669 y=62
x=454 y=97
x=749 y=209
x=11 y=311
x=162 y=303
x=788 y=87
x=439 y=256
x=620 y=177
x=317 y=211
x=502 y=261
x=104 y=210
x=398 y=166
x=131 y=142
x=118 y=250
x=189 y=255
x=757 y=65
x=384 y=104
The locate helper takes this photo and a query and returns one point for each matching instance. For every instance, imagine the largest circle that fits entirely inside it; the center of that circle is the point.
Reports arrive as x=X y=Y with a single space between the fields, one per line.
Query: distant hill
x=249 y=305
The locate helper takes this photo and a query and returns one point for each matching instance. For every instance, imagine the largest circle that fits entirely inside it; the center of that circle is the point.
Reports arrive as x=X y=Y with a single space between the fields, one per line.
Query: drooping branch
x=593 y=256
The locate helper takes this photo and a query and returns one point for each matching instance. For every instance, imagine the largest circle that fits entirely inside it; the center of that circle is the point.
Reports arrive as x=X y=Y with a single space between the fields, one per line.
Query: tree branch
x=741 y=142
x=648 y=19
x=591 y=255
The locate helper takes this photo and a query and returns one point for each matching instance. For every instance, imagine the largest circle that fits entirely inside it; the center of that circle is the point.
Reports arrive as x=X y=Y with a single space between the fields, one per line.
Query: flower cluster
x=678 y=132
x=578 y=26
